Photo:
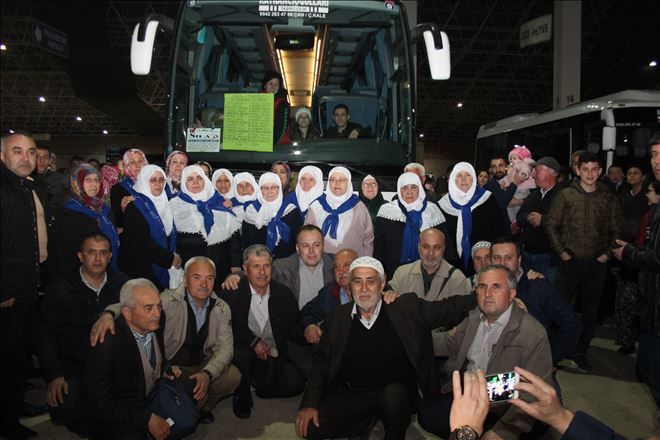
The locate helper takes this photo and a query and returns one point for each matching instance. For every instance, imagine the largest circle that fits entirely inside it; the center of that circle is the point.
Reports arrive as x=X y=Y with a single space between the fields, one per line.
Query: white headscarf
x=306 y=198
x=216 y=176
x=189 y=220
x=249 y=178
x=160 y=202
x=461 y=198
x=431 y=216
x=268 y=209
x=334 y=202
x=204 y=194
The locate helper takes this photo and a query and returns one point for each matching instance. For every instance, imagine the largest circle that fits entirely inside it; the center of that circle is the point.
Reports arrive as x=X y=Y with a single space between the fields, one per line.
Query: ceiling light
x=421 y=135
x=459 y=105
x=3 y=47
x=42 y=99
x=653 y=63
x=78 y=118
x=11 y=131
x=105 y=131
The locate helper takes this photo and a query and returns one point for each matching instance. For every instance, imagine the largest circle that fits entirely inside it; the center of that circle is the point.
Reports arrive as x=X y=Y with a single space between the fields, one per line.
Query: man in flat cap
x=374 y=359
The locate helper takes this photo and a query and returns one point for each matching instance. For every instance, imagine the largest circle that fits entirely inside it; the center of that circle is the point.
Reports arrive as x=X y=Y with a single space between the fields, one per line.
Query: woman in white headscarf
x=471 y=215
x=342 y=217
x=245 y=193
x=148 y=242
x=308 y=188
x=399 y=222
x=223 y=182
x=204 y=225
x=269 y=221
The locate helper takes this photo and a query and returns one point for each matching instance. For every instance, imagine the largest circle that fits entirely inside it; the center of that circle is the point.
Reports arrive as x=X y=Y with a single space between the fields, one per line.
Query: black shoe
x=582 y=364
x=242 y=408
x=205 y=417
x=18 y=432
x=626 y=349
x=29 y=410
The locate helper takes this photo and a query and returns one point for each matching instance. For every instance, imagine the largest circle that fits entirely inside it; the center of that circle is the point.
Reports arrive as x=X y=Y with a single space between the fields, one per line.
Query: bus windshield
x=333 y=52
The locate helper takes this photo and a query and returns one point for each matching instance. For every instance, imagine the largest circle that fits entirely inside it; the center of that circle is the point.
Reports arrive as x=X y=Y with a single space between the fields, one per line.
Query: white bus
x=618 y=127
x=358 y=53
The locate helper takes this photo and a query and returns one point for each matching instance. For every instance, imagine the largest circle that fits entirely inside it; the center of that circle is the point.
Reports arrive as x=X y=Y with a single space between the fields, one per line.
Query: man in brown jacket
x=583 y=222
x=494 y=338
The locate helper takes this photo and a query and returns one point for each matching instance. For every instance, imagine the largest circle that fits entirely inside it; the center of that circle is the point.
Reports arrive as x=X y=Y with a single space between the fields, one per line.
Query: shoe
x=18 y=432
x=582 y=364
x=29 y=410
x=626 y=349
x=205 y=417
x=241 y=407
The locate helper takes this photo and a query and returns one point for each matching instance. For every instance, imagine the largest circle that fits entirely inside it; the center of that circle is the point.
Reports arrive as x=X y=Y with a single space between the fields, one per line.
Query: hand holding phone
x=502 y=386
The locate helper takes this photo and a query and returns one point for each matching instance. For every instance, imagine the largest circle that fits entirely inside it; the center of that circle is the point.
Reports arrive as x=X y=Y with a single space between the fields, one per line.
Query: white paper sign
x=203 y=140
x=536 y=31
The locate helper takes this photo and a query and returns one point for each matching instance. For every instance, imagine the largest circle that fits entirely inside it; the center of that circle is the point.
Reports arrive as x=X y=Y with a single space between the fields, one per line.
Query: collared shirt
x=545 y=191
x=344 y=297
x=428 y=278
x=42 y=233
x=367 y=323
x=311 y=281
x=144 y=342
x=96 y=290
x=259 y=307
x=200 y=313
x=487 y=336
x=519 y=273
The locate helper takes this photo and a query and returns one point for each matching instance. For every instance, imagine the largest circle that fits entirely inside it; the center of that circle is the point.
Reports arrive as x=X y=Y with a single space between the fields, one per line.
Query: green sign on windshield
x=248 y=123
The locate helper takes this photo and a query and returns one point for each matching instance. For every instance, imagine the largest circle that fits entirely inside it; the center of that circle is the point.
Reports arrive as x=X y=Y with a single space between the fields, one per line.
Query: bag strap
x=444 y=282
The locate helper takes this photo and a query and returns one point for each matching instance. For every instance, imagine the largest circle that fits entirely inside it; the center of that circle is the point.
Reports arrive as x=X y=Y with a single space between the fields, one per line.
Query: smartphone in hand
x=502 y=386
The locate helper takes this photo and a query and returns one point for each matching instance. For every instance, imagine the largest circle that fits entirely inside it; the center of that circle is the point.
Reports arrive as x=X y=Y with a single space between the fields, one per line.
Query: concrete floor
x=611 y=394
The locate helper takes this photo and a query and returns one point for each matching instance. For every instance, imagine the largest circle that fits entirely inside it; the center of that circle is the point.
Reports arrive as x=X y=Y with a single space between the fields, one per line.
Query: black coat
x=225 y=255
x=282 y=312
x=68 y=312
x=413 y=320
x=486 y=225
x=534 y=239
x=19 y=248
x=251 y=235
x=117 y=193
x=69 y=229
x=138 y=251
x=114 y=379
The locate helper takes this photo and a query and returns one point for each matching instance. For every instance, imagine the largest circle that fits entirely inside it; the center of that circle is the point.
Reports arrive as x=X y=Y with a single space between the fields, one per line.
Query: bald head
x=431 y=249
x=19 y=154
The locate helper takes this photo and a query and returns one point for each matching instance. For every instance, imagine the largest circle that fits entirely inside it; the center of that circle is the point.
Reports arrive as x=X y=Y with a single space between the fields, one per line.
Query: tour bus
x=618 y=127
x=357 y=53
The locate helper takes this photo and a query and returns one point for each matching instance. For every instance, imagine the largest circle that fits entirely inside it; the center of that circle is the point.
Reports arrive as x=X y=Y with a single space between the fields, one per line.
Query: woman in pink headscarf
x=174 y=164
x=122 y=193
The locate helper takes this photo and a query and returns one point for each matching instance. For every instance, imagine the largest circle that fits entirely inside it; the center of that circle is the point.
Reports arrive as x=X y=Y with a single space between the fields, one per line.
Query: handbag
x=170 y=400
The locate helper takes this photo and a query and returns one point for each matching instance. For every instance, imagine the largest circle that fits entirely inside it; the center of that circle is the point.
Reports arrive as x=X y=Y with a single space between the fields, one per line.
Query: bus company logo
x=204 y=134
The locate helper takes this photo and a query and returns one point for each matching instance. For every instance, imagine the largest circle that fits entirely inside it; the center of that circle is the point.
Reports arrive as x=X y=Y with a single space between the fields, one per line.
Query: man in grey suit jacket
x=495 y=338
x=305 y=272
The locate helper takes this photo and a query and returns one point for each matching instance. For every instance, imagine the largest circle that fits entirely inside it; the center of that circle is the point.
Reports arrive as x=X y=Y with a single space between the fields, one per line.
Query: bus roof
x=627 y=98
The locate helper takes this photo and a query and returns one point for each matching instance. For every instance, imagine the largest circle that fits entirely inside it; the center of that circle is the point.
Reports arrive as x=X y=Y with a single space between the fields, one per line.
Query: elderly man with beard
x=198 y=337
x=350 y=384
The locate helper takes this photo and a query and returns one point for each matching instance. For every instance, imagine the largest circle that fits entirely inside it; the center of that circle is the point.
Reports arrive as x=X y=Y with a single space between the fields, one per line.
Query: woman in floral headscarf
x=174 y=164
x=342 y=217
x=122 y=193
x=82 y=214
x=204 y=225
x=270 y=221
x=148 y=242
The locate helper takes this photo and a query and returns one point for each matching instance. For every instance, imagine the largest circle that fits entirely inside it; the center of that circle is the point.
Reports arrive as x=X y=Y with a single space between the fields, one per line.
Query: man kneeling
x=373 y=358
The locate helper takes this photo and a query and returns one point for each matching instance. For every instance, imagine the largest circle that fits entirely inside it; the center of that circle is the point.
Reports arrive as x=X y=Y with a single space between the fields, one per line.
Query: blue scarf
x=168 y=191
x=275 y=226
x=215 y=203
x=466 y=216
x=157 y=234
x=293 y=198
x=127 y=184
x=409 y=248
x=234 y=202
x=105 y=225
x=331 y=222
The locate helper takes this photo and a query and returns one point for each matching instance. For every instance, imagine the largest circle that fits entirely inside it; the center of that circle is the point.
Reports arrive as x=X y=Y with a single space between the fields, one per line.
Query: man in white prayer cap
x=349 y=385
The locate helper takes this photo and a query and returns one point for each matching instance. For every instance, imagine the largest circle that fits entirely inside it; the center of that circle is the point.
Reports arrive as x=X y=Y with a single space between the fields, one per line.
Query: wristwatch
x=466 y=433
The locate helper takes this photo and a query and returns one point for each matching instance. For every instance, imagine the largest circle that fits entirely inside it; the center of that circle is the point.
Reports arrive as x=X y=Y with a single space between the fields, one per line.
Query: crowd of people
x=283 y=286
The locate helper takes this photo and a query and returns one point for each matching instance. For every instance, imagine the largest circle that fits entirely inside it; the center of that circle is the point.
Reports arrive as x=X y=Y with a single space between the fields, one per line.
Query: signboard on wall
x=536 y=31
x=248 y=123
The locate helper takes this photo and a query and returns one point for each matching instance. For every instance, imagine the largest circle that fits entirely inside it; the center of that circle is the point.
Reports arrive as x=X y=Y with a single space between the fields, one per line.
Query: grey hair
x=127 y=292
x=511 y=279
x=256 y=250
x=196 y=259
x=414 y=165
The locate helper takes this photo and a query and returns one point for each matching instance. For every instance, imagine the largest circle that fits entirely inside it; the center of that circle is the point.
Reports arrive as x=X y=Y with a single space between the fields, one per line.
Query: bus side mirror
x=437 y=49
x=142 y=42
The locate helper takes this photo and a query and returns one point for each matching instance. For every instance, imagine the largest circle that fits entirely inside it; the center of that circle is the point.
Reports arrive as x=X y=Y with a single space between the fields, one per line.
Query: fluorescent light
x=11 y=131
x=78 y=118
x=459 y=105
x=421 y=135
x=105 y=131
x=42 y=99
x=653 y=63
x=3 y=47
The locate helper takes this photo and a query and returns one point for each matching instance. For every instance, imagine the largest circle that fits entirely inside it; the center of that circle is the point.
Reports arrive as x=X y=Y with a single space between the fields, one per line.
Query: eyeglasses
x=157 y=180
x=370 y=185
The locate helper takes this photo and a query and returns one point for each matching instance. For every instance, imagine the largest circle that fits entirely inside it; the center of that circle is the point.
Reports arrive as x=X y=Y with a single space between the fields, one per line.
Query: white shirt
x=367 y=323
x=259 y=307
x=487 y=336
x=94 y=289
